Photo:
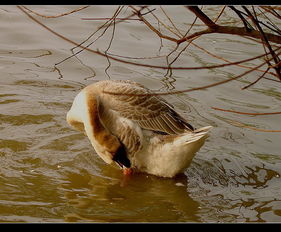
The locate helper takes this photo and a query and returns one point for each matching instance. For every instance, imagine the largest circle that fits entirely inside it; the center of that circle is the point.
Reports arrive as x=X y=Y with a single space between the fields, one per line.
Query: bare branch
x=56 y=16
x=151 y=27
x=219 y=15
x=264 y=38
x=121 y=19
x=247 y=86
x=272 y=11
x=196 y=88
x=245 y=113
x=245 y=22
x=242 y=125
x=240 y=31
x=203 y=17
x=133 y=63
x=221 y=58
x=166 y=26
x=170 y=20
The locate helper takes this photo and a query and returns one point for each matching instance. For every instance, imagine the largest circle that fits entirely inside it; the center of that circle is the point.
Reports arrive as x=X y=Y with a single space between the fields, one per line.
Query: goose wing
x=148 y=111
x=126 y=132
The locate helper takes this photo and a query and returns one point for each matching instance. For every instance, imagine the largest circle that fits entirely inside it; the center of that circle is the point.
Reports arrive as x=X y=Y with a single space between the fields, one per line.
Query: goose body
x=142 y=132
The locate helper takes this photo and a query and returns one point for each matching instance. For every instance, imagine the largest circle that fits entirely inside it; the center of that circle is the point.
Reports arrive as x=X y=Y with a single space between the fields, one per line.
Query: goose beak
x=127 y=171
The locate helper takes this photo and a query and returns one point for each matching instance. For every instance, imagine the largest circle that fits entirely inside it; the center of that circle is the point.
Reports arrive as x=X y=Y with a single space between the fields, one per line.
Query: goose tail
x=197 y=136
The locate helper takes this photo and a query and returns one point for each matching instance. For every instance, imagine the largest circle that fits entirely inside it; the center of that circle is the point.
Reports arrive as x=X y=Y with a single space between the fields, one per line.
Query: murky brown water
x=50 y=173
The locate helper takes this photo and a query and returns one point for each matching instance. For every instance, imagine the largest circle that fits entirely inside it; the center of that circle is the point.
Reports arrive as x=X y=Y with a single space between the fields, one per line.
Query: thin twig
x=247 y=86
x=222 y=23
x=138 y=13
x=271 y=10
x=111 y=39
x=221 y=58
x=203 y=17
x=267 y=78
x=240 y=31
x=189 y=29
x=148 y=12
x=121 y=19
x=163 y=24
x=219 y=15
x=56 y=16
x=170 y=21
x=275 y=7
x=137 y=58
x=242 y=125
x=105 y=25
x=264 y=38
x=215 y=28
x=109 y=22
x=273 y=27
x=196 y=88
x=247 y=25
x=133 y=63
x=245 y=113
x=177 y=56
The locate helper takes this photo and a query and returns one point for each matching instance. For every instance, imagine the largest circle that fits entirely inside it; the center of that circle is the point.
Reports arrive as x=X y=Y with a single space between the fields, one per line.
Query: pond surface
x=51 y=173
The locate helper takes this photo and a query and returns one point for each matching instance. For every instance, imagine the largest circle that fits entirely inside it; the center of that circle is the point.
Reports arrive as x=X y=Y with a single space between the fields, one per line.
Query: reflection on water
x=50 y=173
x=156 y=200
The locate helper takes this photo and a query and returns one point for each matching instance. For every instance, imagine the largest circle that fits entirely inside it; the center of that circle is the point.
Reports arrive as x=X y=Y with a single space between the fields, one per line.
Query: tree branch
x=245 y=113
x=212 y=28
x=245 y=22
x=204 y=18
x=241 y=31
x=265 y=39
x=215 y=28
x=138 y=13
x=56 y=16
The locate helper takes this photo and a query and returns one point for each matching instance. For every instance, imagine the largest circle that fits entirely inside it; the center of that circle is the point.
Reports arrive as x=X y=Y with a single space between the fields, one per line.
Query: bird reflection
x=114 y=197
x=213 y=191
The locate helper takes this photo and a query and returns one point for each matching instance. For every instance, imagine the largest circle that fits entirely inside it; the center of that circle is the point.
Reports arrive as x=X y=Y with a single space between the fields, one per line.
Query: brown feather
x=149 y=112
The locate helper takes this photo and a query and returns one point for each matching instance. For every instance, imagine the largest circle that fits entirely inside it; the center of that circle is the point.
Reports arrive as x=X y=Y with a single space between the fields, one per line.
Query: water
x=50 y=173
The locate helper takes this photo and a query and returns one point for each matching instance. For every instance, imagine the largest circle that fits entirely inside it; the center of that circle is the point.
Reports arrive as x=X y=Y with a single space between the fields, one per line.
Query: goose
x=134 y=129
